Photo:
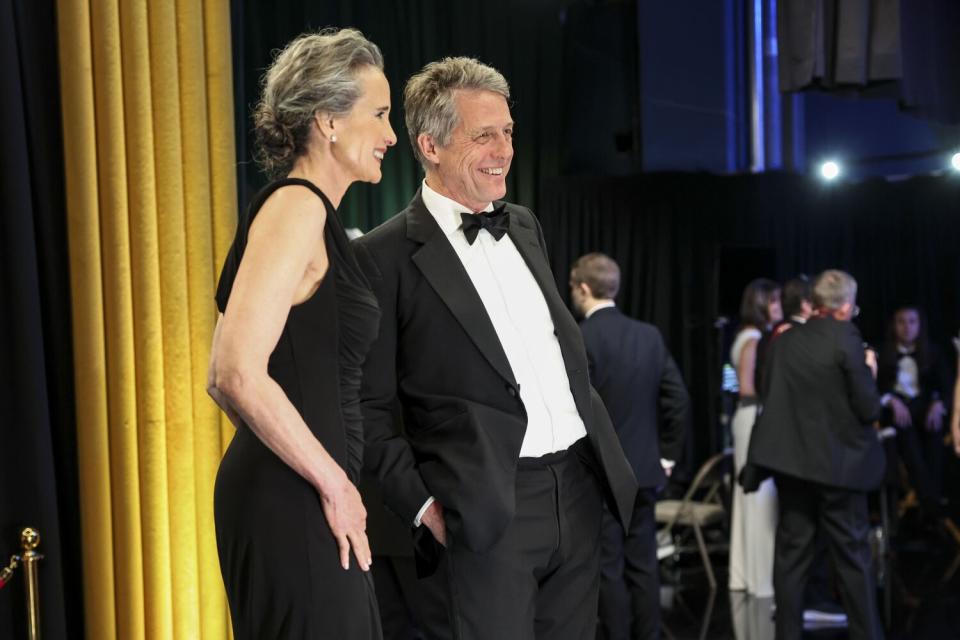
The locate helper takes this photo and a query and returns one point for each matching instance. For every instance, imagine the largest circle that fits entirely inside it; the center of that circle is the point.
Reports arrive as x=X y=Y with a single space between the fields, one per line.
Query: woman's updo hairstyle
x=316 y=72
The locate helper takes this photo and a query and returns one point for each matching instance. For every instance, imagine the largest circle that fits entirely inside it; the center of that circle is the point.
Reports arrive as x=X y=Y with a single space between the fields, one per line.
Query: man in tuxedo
x=820 y=604
x=508 y=451
x=816 y=436
x=644 y=392
x=797 y=309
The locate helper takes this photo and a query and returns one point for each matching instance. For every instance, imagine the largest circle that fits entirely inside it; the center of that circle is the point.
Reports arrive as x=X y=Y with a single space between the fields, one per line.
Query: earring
x=333 y=137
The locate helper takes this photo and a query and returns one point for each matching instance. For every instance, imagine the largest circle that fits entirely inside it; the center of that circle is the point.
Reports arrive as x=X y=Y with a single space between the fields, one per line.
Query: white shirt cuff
x=667 y=464
x=885 y=399
x=423 y=510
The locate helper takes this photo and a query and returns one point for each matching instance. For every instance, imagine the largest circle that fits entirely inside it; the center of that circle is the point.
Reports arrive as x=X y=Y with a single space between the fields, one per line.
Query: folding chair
x=701 y=507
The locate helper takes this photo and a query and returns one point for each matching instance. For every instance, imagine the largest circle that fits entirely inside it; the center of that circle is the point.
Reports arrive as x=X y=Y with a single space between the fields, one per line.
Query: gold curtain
x=151 y=192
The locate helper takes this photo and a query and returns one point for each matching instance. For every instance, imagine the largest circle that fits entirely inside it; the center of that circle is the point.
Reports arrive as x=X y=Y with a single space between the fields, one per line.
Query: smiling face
x=472 y=168
x=364 y=134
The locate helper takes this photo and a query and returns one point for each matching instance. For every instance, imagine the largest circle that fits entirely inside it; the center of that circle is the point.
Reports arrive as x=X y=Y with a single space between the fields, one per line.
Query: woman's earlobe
x=325 y=126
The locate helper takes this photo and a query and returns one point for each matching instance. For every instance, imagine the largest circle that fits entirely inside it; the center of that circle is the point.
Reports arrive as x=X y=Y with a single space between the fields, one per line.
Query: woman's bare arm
x=282 y=265
x=745 y=368
x=955 y=418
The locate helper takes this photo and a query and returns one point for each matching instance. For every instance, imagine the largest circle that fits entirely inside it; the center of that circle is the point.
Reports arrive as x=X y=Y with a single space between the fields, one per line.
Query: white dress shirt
x=606 y=304
x=908 y=373
x=521 y=319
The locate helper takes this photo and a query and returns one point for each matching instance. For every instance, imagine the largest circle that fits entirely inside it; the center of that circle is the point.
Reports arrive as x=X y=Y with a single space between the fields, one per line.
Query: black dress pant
x=922 y=454
x=410 y=608
x=806 y=508
x=630 y=574
x=541 y=579
x=820 y=581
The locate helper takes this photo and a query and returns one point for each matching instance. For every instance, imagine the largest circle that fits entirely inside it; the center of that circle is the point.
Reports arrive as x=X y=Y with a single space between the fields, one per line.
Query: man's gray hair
x=833 y=289
x=428 y=99
x=314 y=73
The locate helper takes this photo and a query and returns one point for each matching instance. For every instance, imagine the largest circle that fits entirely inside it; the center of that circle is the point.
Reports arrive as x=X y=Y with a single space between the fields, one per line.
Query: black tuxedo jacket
x=438 y=353
x=934 y=381
x=641 y=388
x=819 y=403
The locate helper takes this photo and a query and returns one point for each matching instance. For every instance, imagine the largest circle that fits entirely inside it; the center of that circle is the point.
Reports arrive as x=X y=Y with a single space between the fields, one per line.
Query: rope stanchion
x=29 y=541
x=7 y=572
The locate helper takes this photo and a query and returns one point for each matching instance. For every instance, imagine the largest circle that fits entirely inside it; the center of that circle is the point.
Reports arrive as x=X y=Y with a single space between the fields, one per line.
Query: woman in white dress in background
x=754 y=520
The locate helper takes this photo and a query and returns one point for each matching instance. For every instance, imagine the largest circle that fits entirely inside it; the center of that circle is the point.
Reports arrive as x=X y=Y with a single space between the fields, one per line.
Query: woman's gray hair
x=833 y=289
x=428 y=99
x=316 y=72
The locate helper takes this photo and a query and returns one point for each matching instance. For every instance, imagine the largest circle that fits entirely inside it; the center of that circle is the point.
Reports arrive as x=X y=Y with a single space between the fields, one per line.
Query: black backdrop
x=38 y=479
x=671 y=232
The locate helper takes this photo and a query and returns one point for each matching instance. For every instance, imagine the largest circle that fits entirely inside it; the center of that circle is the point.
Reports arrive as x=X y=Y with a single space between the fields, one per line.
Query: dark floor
x=923 y=592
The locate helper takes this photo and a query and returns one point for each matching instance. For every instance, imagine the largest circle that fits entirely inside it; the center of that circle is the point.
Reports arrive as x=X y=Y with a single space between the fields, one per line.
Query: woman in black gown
x=297 y=320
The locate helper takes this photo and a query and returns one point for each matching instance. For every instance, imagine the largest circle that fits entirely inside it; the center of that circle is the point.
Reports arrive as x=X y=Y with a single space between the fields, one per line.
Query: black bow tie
x=497 y=222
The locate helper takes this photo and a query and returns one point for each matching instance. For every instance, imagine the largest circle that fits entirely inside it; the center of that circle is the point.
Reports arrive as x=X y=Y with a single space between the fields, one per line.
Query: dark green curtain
x=521 y=38
x=38 y=466
x=669 y=232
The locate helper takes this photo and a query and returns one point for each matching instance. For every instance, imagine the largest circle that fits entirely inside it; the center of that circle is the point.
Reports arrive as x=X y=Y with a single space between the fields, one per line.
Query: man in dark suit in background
x=650 y=409
x=507 y=450
x=797 y=303
x=816 y=436
x=820 y=604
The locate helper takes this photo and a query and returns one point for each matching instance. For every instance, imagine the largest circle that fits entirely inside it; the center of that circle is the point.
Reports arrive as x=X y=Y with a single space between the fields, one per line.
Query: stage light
x=829 y=170
x=955 y=161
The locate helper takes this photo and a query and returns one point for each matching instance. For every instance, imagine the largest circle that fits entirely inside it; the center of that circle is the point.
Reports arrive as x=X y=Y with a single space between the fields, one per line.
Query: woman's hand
x=955 y=431
x=901 y=415
x=347 y=518
x=935 y=416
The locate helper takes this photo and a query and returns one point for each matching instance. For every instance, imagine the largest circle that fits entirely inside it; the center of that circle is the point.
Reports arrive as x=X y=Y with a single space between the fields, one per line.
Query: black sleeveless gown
x=279 y=560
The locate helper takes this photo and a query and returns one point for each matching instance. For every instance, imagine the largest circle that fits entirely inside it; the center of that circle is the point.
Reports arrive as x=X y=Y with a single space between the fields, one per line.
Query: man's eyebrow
x=492 y=127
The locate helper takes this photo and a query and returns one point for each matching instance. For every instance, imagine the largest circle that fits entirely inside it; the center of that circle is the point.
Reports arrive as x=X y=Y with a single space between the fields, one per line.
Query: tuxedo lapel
x=526 y=240
x=444 y=271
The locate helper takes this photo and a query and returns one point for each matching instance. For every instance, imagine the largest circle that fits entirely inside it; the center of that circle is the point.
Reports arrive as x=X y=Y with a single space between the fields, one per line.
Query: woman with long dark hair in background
x=754 y=519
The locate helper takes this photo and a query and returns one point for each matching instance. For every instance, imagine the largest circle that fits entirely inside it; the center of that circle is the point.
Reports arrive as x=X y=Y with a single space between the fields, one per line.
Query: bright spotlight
x=955 y=161
x=829 y=170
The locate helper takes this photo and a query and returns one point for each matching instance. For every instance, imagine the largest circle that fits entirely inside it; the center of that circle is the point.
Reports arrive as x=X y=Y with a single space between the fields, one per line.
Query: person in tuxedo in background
x=797 y=306
x=916 y=391
x=816 y=436
x=649 y=406
x=507 y=450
